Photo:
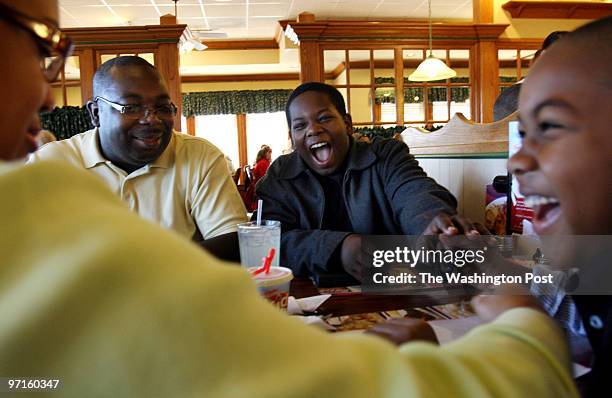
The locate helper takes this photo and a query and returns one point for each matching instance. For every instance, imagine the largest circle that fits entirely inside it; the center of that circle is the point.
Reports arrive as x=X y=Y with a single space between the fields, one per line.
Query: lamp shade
x=431 y=69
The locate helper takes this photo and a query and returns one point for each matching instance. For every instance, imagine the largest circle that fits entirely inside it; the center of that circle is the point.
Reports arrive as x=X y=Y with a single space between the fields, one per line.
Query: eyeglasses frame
x=122 y=108
x=46 y=35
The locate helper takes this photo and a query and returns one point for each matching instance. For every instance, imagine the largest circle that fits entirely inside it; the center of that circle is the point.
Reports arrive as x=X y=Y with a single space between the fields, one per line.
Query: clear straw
x=259 y=207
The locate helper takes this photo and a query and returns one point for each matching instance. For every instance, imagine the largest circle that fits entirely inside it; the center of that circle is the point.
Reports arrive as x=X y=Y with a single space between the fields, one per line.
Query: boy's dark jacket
x=385 y=190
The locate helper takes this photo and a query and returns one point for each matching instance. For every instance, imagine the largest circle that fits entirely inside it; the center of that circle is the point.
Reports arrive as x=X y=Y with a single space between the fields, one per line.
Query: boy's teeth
x=536 y=200
x=319 y=145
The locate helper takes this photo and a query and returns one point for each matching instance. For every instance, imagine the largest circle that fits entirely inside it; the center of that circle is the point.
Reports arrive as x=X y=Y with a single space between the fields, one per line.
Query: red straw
x=269 y=259
x=263 y=267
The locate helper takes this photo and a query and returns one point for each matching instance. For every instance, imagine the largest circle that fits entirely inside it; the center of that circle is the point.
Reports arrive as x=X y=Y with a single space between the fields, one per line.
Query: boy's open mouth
x=547 y=212
x=321 y=151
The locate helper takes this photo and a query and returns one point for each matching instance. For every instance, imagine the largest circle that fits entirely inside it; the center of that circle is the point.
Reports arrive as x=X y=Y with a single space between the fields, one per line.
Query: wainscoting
x=466 y=179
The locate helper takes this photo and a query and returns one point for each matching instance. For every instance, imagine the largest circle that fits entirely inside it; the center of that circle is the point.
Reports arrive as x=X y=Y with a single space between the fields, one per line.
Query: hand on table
x=402 y=330
x=350 y=255
x=443 y=224
x=489 y=307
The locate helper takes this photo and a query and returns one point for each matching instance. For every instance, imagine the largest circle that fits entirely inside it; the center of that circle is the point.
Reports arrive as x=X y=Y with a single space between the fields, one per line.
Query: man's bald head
x=103 y=77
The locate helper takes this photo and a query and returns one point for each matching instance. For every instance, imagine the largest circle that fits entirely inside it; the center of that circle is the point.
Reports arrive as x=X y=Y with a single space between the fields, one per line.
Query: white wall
x=466 y=179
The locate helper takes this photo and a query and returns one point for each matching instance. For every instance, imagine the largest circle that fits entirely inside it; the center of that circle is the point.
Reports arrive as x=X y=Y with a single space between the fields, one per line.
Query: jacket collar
x=360 y=154
x=92 y=155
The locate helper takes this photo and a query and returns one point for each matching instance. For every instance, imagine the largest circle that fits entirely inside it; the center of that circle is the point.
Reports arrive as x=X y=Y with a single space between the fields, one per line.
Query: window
x=513 y=65
x=266 y=129
x=221 y=131
x=367 y=78
x=414 y=108
x=67 y=88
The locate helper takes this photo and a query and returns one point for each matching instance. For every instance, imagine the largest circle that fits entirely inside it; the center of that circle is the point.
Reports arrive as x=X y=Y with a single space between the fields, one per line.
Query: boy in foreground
x=565 y=165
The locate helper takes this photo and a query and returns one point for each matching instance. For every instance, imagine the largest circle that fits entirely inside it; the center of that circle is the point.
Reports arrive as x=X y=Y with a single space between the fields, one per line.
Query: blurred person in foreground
x=125 y=308
x=44 y=137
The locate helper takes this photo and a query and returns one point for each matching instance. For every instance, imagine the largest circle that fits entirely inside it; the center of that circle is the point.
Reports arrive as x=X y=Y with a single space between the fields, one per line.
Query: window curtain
x=66 y=121
x=234 y=102
x=379 y=131
x=387 y=132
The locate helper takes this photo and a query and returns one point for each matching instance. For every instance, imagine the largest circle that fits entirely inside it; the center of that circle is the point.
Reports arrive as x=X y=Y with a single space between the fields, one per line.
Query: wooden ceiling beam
x=240 y=44
x=135 y=36
x=240 y=78
x=401 y=31
x=482 y=11
x=558 y=9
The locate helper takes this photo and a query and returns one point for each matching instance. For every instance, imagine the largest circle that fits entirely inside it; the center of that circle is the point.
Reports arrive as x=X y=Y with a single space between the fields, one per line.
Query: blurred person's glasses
x=55 y=46
x=137 y=111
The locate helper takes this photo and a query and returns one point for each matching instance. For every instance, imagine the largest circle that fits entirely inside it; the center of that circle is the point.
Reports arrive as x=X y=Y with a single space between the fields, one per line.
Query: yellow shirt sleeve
x=115 y=306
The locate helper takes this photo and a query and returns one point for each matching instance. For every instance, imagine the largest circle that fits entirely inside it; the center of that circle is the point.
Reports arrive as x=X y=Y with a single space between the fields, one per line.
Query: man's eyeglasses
x=53 y=43
x=137 y=111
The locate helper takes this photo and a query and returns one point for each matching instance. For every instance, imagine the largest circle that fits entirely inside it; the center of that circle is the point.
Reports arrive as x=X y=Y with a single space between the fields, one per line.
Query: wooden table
x=358 y=303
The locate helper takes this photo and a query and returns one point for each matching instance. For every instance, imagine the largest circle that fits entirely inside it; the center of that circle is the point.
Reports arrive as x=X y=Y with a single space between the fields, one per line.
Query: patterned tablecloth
x=364 y=321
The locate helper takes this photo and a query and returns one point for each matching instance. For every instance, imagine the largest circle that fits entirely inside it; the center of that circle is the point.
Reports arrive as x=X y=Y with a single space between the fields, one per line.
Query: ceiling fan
x=191 y=39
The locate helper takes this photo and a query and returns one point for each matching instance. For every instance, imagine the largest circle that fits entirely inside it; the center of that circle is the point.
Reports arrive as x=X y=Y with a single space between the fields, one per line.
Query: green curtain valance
x=379 y=131
x=66 y=121
x=391 y=80
x=414 y=95
x=233 y=102
x=387 y=132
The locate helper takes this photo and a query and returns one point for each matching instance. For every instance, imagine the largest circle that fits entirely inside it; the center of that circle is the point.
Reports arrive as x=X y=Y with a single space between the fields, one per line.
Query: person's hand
x=402 y=330
x=350 y=255
x=448 y=232
x=489 y=307
x=443 y=224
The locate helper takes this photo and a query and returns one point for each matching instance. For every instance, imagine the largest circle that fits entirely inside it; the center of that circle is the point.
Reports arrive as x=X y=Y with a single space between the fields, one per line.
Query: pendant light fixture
x=431 y=68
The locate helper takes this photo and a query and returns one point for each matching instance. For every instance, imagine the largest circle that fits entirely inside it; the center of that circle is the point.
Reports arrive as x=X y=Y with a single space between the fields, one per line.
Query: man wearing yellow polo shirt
x=173 y=179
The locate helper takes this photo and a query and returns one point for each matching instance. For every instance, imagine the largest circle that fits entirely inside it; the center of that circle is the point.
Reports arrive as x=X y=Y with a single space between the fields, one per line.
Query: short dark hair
x=334 y=95
x=553 y=37
x=262 y=153
x=507 y=102
x=101 y=78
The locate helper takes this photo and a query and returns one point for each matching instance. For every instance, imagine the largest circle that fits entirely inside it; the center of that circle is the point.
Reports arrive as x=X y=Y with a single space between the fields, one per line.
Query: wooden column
x=483 y=11
x=311 y=59
x=242 y=139
x=311 y=62
x=399 y=85
x=484 y=71
x=87 y=66
x=191 y=127
x=167 y=62
x=63 y=84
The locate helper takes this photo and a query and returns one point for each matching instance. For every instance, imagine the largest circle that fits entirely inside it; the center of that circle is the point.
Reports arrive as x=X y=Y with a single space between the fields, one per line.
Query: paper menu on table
x=451 y=329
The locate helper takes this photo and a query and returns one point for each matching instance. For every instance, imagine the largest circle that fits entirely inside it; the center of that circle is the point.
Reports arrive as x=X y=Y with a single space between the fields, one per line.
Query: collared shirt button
x=595 y=322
